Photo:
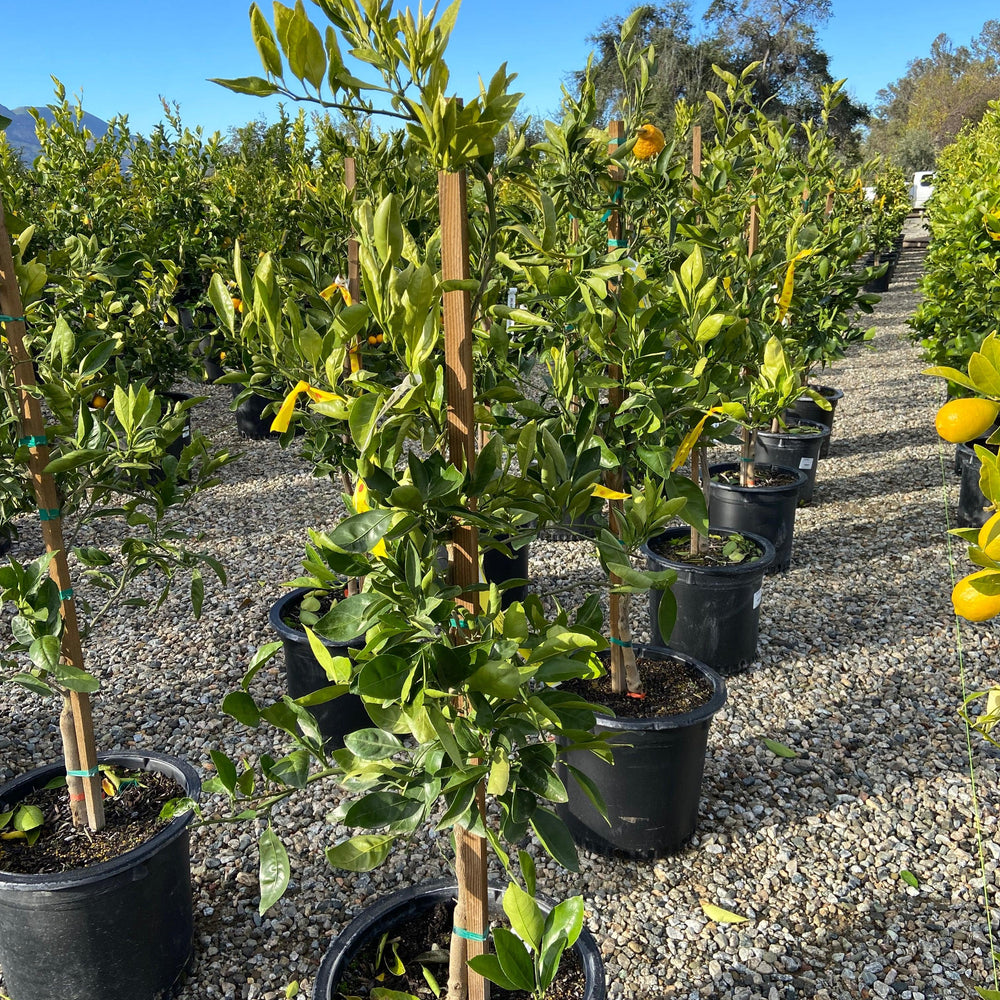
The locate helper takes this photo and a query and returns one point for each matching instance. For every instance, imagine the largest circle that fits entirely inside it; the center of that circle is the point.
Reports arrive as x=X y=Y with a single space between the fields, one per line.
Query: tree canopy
x=924 y=110
x=780 y=35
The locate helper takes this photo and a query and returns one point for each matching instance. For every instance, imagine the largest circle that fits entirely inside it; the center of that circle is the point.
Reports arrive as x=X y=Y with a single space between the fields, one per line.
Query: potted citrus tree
x=62 y=897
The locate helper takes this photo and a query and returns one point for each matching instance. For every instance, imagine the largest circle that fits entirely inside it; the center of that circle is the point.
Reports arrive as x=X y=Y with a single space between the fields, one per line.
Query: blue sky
x=123 y=54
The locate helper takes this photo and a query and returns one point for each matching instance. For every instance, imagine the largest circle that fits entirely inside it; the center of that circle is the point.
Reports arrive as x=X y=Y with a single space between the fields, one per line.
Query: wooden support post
x=76 y=723
x=615 y=478
x=829 y=202
x=747 y=477
x=353 y=268
x=696 y=152
x=472 y=908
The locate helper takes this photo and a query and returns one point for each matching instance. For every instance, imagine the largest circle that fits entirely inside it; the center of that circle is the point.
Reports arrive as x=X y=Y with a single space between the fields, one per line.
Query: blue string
x=11 y=319
x=48 y=513
x=469 y=935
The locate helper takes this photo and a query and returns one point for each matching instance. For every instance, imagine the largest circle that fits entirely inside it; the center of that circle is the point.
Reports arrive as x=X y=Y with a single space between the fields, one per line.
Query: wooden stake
x=696 y=152
x=472 y=908
x=749 y=436
x=829 y=203
x=614 y=479
x=353 y=268
x=76 y=723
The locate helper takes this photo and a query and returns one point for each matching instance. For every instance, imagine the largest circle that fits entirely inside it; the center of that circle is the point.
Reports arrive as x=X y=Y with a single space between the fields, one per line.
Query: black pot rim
x=822 y=431
x=174 y=767
x=747 y=568
x=829 y=392
x=661 y=723
x=800 y=479
x=371 y=919
x=289 y=634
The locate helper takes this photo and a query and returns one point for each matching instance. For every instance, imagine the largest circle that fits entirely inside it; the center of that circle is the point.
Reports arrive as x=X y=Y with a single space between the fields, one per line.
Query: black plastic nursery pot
x=184 y=438
x=406 y=905
x=303 y=675
x=768 y=511
x=499 y=568
x=250 y=419
x=807 y=408
x=973 y=506
x=794 y=451
x=653 y=789
x=718 y=607
x=119 y=930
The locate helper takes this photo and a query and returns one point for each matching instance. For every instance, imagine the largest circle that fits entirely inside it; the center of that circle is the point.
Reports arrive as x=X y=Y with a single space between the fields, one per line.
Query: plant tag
x=805 y=463
x=757 y=597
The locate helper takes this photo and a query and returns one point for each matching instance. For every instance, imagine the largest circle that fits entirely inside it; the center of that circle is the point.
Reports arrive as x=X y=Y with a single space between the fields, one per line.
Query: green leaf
x=566 y=920
x=488 y=966
x=222 y=301
x=242 y=708
x=380 y=809
x=525 y=915
x=28 y=818
x=372 y=744
x=252 y=85
x=349 y=617
x=224 y=768
x=33 y=684
x=909 y=878
x=515 y=961
x=692 y=270
x=265 y=43
x=779 y=748
x=666 y=614
x=274 y=870
x=361 y=853
x=361 y=532
x=555 y=838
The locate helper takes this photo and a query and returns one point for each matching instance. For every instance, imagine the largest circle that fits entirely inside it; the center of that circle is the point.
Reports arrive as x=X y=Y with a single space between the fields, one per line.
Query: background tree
x=779 y=34
x=923 y=111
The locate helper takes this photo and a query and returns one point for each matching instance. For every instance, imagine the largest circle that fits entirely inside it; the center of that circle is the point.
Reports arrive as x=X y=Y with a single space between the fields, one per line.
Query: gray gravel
x=858 y=672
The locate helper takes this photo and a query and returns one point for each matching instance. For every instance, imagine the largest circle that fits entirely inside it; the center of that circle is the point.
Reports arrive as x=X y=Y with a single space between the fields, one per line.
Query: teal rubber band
x=65 y=595
x=11 y=319
x=458 y=624
x=615 y=142
x=606 y=216
x=92 y=773
x=617 y=243
x=33 y=442
x=617 y=196
x=746 y=461
x=48 y=514
x=625 y=643
x=469 y=935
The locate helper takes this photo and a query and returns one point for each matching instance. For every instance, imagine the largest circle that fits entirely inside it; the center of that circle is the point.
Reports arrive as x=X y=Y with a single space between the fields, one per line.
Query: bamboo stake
x=749 y=435
x=624 y=677
x=76 y=723
x=699 y=454
x=472 y=908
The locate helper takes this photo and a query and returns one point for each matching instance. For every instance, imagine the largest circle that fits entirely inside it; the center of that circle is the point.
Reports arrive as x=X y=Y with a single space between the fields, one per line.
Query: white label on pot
x=805 y=463
x=757 y=597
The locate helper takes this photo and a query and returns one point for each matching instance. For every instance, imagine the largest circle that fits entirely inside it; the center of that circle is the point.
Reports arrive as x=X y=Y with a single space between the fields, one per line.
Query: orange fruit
x=237 y=304
x=379 y=338
x=373 y=340
x=649 y=143
x=961 y=420
x=972 y=604
x=99 y=402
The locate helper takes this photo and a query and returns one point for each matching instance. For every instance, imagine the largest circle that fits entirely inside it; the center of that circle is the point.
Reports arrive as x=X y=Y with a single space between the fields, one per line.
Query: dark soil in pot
x=131 y=818
x=718 y=601
x=419 y=905
x=766 y=509
x=659 y=743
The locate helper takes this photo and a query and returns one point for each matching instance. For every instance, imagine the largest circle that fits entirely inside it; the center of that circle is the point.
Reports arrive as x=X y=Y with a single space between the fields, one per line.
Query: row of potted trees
x=674 y=303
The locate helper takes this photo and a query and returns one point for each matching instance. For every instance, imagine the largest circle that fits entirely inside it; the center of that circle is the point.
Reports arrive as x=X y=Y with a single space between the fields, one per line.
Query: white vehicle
x=922 y=188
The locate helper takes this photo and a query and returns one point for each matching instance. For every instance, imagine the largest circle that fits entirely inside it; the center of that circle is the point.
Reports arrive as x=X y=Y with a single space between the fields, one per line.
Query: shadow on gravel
x=905 y=475
x=865 y=444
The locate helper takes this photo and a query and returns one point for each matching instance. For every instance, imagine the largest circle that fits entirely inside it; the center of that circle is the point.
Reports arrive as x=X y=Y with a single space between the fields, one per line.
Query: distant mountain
x=20 y=132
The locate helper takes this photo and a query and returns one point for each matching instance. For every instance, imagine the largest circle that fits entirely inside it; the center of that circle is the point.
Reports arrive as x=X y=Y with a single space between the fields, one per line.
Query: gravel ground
x=858 y=672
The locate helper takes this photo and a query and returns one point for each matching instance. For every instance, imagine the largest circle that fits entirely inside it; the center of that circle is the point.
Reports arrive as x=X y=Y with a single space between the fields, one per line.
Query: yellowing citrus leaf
x=690 y=440
x=719 y=915
x=606 y=494
x=779 y=748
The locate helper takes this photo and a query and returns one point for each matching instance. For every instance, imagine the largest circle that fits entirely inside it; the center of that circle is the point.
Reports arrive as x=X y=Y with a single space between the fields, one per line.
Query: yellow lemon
x=989 y=537
x=972 y=604
x=961 y=420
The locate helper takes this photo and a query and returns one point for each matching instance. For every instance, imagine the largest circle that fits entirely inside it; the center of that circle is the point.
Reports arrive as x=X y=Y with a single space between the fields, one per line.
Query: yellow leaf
x=605 y=494
x=361 y=504
x=690 y=440
x=339 y=285
x=786 y=292
x=719 y=915
x=284 y=415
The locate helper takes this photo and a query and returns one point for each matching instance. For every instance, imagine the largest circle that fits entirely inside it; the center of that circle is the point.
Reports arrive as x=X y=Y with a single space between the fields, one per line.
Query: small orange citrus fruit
x=961 y=420
x=99 y=402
